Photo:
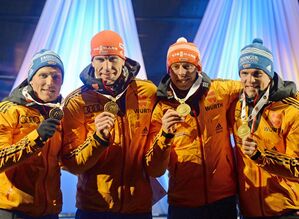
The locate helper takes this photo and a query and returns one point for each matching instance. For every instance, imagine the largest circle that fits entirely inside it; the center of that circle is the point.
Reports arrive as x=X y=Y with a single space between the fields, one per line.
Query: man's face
x=108 y=68
x=183 y=75
x=46 y=83
x=254 y=80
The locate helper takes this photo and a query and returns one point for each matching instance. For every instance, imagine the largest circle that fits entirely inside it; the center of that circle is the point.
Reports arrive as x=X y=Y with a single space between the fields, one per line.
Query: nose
x=182 y=71
x=50 y=80
x=251 y=78
x=107 y=65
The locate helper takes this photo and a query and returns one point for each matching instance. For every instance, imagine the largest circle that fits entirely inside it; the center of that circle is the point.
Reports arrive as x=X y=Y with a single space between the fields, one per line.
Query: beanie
x=107 y=42
x=44 y=58
x=256 y=55
x=183 y=51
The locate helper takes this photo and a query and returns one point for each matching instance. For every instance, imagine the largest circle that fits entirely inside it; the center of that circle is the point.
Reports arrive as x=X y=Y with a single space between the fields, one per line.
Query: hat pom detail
x=182 y=40
x=258 y=40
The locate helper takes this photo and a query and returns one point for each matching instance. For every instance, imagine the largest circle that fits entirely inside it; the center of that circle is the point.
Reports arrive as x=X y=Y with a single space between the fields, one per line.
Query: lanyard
x=29 y=97
x=264 y=100
x=114 y=99
x=192 y=90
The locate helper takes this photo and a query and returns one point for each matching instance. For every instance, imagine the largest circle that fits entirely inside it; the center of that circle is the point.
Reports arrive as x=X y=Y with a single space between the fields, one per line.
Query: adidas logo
x=144 y=131
x=219 y=128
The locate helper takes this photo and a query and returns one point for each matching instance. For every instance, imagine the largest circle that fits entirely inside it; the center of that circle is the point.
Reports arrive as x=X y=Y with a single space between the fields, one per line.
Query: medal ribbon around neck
x=56 y=111
x=184 y=109
x=112 y=106
x=244 y=129
x=264 y=100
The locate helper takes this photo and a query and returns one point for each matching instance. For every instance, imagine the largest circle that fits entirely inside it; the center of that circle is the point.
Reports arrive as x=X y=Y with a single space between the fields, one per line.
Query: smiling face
x=183 y=75
x=46 y=83
x=254 y=81
x=108 y=68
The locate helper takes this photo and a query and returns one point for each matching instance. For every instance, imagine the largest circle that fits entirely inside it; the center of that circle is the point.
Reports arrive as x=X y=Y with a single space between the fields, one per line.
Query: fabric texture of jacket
x=199 y=157
x=30 y=171
x=111 y=174
x=268 y=182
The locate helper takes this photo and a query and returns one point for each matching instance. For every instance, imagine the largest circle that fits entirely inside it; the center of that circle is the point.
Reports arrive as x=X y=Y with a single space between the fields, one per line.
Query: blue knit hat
x=44 y=58
x=256 y=55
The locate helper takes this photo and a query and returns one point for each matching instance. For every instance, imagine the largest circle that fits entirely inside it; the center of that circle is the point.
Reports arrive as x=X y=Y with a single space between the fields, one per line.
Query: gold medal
x=111 y=107
x=243 y=130
x=56 y=113
x=183 y=109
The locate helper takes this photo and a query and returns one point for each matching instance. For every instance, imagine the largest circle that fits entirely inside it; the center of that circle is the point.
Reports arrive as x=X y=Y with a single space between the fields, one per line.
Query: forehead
x=105 y=56
x=183 y=63
x=49 y=69
x=253 y=70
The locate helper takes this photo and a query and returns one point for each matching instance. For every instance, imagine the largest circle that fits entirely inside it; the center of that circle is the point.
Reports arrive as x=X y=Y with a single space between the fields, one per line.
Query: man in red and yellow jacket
x=189 y=136
x=266 y=131
x=105 y=132
x=30 y=143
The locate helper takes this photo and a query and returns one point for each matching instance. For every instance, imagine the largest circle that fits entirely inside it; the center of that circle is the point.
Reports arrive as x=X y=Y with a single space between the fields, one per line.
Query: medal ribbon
x=192 y=90
x=29 y=97
x=257 y=107
x=114 y=99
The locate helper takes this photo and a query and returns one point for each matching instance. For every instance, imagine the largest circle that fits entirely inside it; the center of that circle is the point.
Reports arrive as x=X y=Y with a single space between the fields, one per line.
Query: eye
x=175 y=67
x=244 y=73
x=113 y=59
x=57 y=77
x=99 y=59
x=257 y=74
x=188 y=67
x=43 y=75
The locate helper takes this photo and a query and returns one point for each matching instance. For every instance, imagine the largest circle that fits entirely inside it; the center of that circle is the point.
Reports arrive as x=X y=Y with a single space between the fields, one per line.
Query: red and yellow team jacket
x=29 y=173
x=268 y=182
x=200 y=157
x=111 y=174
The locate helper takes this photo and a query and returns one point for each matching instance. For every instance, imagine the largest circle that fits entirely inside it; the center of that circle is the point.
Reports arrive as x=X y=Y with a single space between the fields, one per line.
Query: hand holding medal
x=111 y=107
x=243 y=130
x=104 y=122
x=56 y=113
x=170 y=119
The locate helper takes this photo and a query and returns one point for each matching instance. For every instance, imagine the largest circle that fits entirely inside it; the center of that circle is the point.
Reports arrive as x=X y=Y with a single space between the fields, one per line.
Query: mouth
x=184 y=80
x=49 y=91
x=252 y=87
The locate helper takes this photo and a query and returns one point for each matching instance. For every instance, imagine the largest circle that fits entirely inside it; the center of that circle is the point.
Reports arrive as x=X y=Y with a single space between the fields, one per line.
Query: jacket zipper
x=203 y=160
x=260 y=191
x=122 y=193
x=45 y=180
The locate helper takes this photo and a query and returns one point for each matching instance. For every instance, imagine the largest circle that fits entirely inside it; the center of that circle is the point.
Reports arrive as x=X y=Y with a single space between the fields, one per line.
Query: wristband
x=256 y=155
x=167 y=135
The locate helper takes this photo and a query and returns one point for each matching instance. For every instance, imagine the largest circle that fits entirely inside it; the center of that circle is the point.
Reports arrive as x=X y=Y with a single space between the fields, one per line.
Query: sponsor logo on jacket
x=145 y=110
x=29 y=119
x=213 y=106
x=93 y=108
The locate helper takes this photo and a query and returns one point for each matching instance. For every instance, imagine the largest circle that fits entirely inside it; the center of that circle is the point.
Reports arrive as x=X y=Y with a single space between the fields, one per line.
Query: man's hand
x=249 y=146
x=104 y=123
x=170 y=118
x=47 y=128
